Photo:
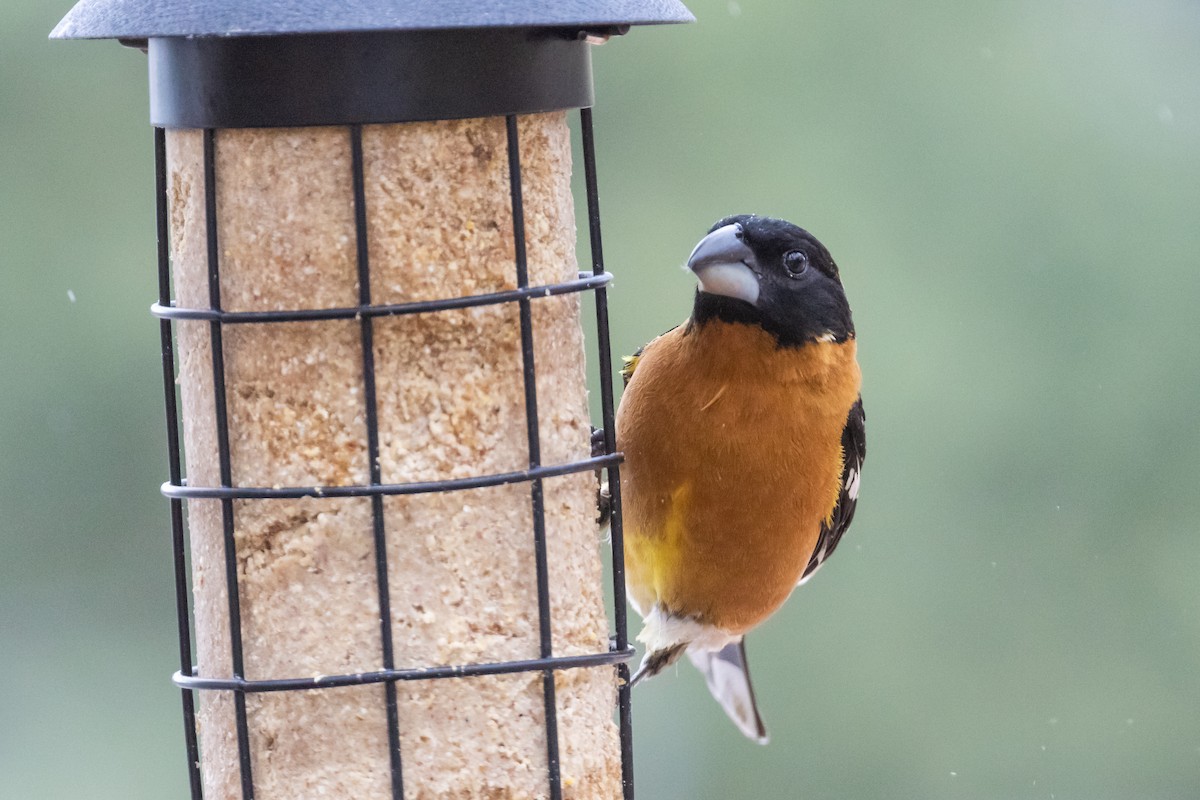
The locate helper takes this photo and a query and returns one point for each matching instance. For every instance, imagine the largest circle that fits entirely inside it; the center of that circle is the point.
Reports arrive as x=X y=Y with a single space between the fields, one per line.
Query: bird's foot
x=603 y=496
x=598 y=448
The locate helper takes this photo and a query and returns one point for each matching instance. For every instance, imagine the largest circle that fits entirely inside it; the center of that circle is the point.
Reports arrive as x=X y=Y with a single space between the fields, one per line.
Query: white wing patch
x=852 y=477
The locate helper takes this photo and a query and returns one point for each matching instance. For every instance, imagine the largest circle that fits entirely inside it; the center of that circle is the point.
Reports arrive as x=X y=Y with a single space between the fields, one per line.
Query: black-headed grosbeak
x=743 y=438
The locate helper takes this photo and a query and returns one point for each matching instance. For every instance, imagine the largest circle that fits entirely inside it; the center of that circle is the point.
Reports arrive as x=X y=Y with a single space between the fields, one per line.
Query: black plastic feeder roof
x=268 y=63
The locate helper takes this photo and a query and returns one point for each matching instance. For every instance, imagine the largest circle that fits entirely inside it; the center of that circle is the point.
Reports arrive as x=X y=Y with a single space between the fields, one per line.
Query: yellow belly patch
x=655 y=556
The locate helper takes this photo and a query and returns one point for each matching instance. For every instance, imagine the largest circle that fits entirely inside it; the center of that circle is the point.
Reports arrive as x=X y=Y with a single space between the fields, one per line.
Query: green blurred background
x=1012 y=191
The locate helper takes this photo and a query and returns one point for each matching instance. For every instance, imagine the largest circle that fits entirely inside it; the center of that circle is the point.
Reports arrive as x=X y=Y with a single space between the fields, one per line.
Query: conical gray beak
x=724 y=265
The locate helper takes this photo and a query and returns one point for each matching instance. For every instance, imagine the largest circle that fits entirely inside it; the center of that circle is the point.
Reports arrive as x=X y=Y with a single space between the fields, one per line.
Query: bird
x=743 y=435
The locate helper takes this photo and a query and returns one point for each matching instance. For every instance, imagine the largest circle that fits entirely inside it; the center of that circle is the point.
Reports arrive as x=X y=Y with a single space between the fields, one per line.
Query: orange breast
x=732 y=460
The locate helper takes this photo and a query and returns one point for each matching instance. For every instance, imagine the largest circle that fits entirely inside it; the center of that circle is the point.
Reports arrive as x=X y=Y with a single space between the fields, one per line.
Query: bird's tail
x=728 y=680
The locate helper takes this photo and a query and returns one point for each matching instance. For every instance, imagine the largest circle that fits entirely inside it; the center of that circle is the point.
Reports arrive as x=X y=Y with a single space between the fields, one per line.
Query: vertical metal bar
x=219 y=403
x=372 y=415
x=167 y=343
x=610 y=447
x=535 y=459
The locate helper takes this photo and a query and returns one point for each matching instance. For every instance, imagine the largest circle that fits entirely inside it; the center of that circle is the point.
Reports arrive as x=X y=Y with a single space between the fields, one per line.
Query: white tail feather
x=728 y=681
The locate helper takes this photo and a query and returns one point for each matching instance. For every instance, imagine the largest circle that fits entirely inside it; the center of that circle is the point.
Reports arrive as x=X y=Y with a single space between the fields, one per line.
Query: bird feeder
x=382 y=485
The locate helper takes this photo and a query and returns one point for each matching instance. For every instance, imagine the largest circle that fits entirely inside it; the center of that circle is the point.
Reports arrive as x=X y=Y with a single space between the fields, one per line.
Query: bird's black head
x=771 y=273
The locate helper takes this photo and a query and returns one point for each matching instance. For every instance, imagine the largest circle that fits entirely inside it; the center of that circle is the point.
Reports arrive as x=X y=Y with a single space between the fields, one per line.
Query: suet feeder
x=376 y=406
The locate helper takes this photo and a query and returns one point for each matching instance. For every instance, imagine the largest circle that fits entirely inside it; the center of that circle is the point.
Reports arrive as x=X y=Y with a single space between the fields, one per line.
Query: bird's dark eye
x=795 y=262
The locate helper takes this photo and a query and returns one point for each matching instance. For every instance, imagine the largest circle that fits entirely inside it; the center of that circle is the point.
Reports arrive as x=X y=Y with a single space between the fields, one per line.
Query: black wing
x=854 y=452
x=629 y=363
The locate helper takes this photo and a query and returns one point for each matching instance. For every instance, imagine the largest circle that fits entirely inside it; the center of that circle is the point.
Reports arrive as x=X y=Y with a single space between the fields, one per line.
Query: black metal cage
x=177 y=488
x=295 y=68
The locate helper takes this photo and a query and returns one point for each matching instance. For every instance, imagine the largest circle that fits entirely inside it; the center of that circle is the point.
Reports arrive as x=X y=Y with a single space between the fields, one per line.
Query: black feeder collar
x=278 y=63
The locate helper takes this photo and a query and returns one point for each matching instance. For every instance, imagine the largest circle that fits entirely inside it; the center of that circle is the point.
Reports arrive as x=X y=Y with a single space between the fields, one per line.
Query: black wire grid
x=177 y=489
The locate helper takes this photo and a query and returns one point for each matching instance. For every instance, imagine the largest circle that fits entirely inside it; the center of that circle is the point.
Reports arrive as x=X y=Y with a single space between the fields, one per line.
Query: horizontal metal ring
x=183 y=491
x=585 y=282
x=194 y=682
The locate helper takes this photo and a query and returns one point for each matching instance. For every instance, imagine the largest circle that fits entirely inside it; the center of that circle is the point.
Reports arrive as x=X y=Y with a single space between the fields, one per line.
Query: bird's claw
x=598 y=446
